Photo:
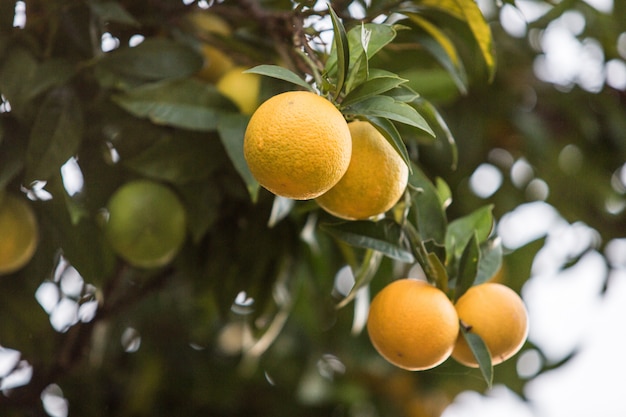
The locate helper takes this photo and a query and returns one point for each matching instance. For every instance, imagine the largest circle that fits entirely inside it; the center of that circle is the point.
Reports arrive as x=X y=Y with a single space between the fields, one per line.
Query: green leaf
x=232 y=128
x=56 y=134
x=442 y=132
x=442 y=48
x=186 y=103
x=461 y=230
x=154 y=59
x=372 y=87
x=437 y=271
x=444 y=192
x=389 y=131
x=468 y=267
x=178 y=158
x=342 y=51
x=363 y=275
x=111 y=11
x=469 y=12
x=280 y=73
x=202 y=200
x=385 y=236
x=388 y=108
x=427 y=212
x=481 y=353
x=490 y=259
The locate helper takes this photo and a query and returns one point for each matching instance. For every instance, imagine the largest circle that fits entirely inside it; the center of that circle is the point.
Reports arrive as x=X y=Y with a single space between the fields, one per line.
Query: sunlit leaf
x=469 y=12
x=481 y=353
x=231 y=128
x=384 y=236
x=461 y=230
x=468 y=267
x=280 y=73
x=186 y=103
x=55 y=136
x=437 y=271
x=442 y=48
x=490 y=259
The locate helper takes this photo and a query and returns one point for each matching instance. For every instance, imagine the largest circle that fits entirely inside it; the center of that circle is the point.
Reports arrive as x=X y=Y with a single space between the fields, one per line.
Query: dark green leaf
x=187 y=103
x=442 y=132
x=481 y=353
x=384 y=236
x=280 y=73
x=427 y=212
x=232 y=128
x=372 y=87
x=154 y=59
x=468 y=267
x=461 y=230
x=388 y=108
x=342 y=51
x=201 y=201
x=111 y=11
x=55 y=136
x=18 y=68
x=179 y=159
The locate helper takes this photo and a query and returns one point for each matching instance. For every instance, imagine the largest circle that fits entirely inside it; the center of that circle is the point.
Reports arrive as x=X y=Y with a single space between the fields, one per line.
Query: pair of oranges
x=415 y=326
x=298 y=145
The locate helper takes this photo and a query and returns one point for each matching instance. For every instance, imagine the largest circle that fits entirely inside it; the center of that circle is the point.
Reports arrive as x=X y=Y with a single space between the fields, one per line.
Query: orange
x=375 y=180
x=146 y=223
x=297 y=145
x=412 y=324
x=498 y=315
x=242 y=88
x=19 y=233
x=216 y=62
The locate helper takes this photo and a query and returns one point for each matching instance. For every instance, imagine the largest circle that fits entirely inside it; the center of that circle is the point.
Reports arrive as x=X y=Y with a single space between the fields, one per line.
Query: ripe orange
x=19 y=233
x=297 y=145
x=146 y=224
x=498 y=315
x=242 y=88
x=375 y=179
x=412 y=324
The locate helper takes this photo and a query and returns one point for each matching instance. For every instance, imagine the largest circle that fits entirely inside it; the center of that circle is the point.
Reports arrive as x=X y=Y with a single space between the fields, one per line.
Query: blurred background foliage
x=244 y=321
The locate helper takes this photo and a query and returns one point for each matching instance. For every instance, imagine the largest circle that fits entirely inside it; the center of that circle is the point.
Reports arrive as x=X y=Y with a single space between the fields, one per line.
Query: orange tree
x=262 y=310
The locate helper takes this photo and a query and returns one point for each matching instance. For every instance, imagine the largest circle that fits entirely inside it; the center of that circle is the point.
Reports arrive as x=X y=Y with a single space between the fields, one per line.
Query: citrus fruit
x=19 y=233
x=242 y=88
x=216 y=62
x=498 y=315
x=375 y=179
x=146 y=223
x=412 y=324
x=297 y=145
